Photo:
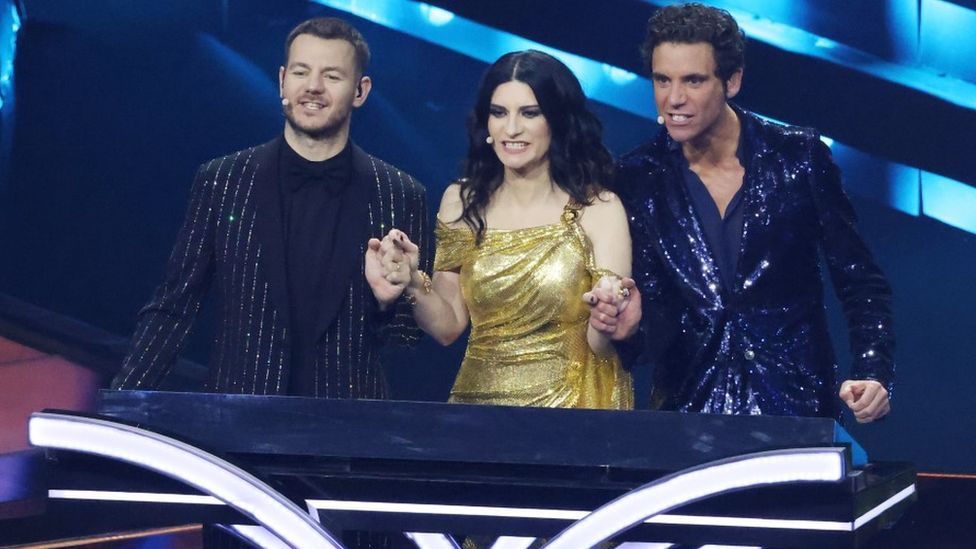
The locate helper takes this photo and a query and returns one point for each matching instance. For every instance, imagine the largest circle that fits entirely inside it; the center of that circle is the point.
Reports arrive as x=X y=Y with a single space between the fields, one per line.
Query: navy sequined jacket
x=232 y=243
x=761 y=346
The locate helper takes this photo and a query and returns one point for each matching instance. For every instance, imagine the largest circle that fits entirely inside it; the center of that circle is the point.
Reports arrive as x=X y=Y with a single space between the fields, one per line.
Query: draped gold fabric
x=523 y=289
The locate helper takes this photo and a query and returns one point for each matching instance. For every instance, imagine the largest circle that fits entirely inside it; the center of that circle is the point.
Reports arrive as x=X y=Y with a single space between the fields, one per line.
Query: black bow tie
x=333 y=176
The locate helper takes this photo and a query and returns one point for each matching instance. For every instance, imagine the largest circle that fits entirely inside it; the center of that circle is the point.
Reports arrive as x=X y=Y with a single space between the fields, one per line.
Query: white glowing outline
x=512 y=542
x=444 y=509
x=172 y=458
x=511 y=512
x=133 y=497
x=431 y=540
x=819 y=464
x=697 y=483
x=571 y=515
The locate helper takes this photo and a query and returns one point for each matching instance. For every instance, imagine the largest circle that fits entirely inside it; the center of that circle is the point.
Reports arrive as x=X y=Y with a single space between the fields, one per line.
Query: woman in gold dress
x=521 y=238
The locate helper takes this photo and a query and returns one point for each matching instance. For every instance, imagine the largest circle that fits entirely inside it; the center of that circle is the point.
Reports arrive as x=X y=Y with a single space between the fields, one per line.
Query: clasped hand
x=390 y=265
x=615 y=307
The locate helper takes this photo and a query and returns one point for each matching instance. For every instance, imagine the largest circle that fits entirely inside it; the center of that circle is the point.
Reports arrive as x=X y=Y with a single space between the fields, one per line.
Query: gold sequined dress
x=523 y=289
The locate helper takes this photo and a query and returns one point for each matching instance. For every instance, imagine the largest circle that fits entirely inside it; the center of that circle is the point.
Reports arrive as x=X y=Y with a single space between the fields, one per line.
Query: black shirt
x=311 y=197
x=723 y=234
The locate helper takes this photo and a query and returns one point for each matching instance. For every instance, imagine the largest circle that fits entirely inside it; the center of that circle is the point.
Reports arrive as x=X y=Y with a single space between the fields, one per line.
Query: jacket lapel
x=352 y=232
x=682 y=237
x=269 y=230
x=749 y=264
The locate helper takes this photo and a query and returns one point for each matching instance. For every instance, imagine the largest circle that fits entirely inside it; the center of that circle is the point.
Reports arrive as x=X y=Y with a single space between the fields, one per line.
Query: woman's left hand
x=614 y=307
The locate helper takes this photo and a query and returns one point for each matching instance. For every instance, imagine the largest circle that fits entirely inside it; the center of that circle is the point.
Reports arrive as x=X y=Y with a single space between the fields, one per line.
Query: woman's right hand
x=407 y=249
x=390 y=265
x=405 y=254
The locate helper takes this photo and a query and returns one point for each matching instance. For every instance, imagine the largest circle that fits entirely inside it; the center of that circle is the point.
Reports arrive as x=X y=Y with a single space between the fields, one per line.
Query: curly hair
x=579 y=163
x=693 y=23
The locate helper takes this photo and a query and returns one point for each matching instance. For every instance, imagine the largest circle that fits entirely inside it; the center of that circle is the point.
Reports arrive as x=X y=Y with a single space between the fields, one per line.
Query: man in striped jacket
x=280 y=231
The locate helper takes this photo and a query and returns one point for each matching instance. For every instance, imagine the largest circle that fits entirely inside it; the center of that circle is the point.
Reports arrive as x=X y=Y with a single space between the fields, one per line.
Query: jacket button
x=749 y=354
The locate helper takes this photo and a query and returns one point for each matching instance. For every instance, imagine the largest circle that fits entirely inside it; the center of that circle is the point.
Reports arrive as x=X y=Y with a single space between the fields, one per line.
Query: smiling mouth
x=514 y=146
x=680 y=117
x=312 y=105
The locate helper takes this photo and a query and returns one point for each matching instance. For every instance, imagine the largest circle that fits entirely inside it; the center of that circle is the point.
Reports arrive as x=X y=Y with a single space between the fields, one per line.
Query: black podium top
x=398 y=430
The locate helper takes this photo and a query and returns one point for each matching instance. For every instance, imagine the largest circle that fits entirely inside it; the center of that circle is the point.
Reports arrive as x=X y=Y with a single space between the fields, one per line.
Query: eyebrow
x=299 y=64
x=657 y=75
x=523 y=107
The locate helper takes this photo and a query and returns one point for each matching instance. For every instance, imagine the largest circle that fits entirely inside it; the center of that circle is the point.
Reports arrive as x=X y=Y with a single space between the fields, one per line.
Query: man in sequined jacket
x=729 y=217
x=279 y=232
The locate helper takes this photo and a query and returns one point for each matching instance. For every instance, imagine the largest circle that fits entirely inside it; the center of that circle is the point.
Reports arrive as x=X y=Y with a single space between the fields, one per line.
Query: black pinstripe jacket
x=232 y=239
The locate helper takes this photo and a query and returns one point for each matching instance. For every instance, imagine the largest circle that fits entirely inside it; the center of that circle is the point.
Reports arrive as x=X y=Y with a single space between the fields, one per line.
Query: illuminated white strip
x=682 y=488
x=185 y=463
x=417 y=508
x=512 y=542
x=749 y=522
x=313 y=512
x=510 y=512
x=438 y=541
x=570 y=515
x=887 y=504
x=142 y=497
x=445 y=509
x=427 y=540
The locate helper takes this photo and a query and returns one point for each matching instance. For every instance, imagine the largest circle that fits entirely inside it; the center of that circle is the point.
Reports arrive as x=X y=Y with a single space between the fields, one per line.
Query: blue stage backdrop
x=117 y=102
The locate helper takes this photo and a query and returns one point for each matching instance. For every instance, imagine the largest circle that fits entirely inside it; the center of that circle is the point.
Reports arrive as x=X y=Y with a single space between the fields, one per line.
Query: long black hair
x=579 y=163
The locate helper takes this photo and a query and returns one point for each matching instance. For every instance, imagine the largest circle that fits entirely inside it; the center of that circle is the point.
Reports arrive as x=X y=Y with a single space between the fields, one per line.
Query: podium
x=431 y=467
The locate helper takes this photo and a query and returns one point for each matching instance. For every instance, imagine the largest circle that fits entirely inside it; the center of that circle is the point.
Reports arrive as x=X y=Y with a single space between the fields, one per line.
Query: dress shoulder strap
x=571 y=212
x=571 y=216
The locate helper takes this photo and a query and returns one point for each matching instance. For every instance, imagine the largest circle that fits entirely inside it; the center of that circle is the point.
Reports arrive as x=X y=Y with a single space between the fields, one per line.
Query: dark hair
x=579 y=163
x=331 y=28
x=693 y=23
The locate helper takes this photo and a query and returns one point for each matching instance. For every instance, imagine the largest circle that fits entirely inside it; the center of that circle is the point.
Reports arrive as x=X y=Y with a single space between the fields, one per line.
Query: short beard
x=318 y=134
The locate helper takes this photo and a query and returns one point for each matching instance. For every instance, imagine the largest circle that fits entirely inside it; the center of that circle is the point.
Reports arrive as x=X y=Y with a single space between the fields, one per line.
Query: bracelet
x=428 y=287
x=428 y=284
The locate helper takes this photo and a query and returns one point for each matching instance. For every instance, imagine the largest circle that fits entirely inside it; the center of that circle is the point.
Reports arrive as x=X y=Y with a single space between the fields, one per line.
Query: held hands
x=867 y=398
x=390 y=265
x=615 y=307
